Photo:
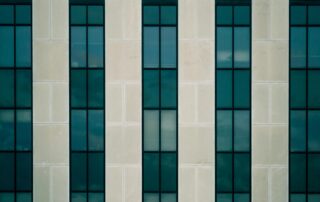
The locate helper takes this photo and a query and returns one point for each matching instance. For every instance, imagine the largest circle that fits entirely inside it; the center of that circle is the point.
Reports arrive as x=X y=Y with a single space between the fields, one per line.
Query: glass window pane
x=168 y=197
x=314 y=15
x=6 y=14
x=224 y=47
x=224 y=172
x=151 y=15
x=151 y=88
x=95 y=46
x=78 y=88
x=168 y=88
x=23 y=130
x=78 y=130
x=78 y=171
x=96 y=197
x=7 y=171
x=24 y=171
x=224 y=130
x=224 y=197
x=298 y=47
x=78 y=15
x=78 y=47
x=242 y=15
x=242 y=178
x=224 y=88
x=96 y=88
x=23 y=14
x=23 y=46
x=168 y=15
x=6 y=197
x=6 y=46
x=96 y=130
x=96 y=171
x=297 y=131
x=150 y=197
x=297 y=198
x=242 y=93
x=24 y=197
x=298 y=84
x=151 y=130
x=168 y=130
x=313 y=197
x=297 y=172
x=313 y=88
x=168 y=172
x=168 y=47
x=23 y=88
x=242 y=130
x=314 y=47
x=241 y=198
x=298 y=15
x=313 y=130
x=224 y=15
x=151 y=172
x=95 y=15
x=313 y=172
x=79 y=197
x=242 y=47
x=151 y=47
x=6 y=130
x=6 y=88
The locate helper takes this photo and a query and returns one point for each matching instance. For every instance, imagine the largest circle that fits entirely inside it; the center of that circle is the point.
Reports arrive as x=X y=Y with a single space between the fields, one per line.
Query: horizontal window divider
x=15 y=151
x=304 y=25
x=89 y=191
x=238 y=192
x=233 y=25
x=87 y=108
x=233 y=152
x=15 y=191
x=158 y=152
x=233 y=109
x=305 y=152
x=87 y=68
x=17 y=25
x=233 y=68
x=305 y=109
x=89 y=152
x=160 y=68
x=16 y=108
x=160 y=25
x=86 y=25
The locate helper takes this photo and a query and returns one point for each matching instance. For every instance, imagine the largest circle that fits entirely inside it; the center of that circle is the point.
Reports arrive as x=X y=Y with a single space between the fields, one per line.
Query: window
x=233 y=102
x=87 y=103
x=160 y=98
x=304 y=102
x=16 y=101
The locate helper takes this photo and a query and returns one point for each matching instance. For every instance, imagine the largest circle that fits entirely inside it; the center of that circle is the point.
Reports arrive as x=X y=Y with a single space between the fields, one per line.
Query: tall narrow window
x=233 y=102
x=16 y=101
x=87 y=101
x=160 y=111
x=304 y=183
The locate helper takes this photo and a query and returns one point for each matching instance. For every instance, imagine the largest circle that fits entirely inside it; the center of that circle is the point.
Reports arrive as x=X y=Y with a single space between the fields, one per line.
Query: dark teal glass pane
x=78 y=130
x=224 y=88
x=242 y=93
x=242 y=15
x=78 y=171
x=168 y=130
x=24 y=171
x=168 y=15
x=224 y=130
x=298 y=84
x=242 y=178
x=151 y=88
x=298 y=47
x=24 y=197
x=241 y=198
x=96 y=172
x=298 y=15
x=6 y=88
x=168 y=172
x=96 y=197
x=7 y=171
x=78 y=47
x=224 y=47
x=168 y=197
x=313 y=88
x=168 y=47
x=313 y=172
x=297 y=131
x=6 y=130
x=314 y=15
x=7 y=197
x=242 y=130
x=224 y=15
x=241 y=47
x=78 y=88
x=224 y=172
x=96 y=130
x=297 y=198
x=6 y=14
x=23 y=88
x=23 y=14
x=96 y=88
x=151 y=15
x=6 y=46
x=95 y=46
x=23 y=46
x=314 y=47
x=168 y=88
x=313 y=197
x=78 y=15
x=79 y=197
x=224 y=197
x=95 y=15
x=297 y=172
x=151 y=172
x=151 y=47
x=313 y=131
x=23 y=130
x=151 y=130
x=150 y=197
